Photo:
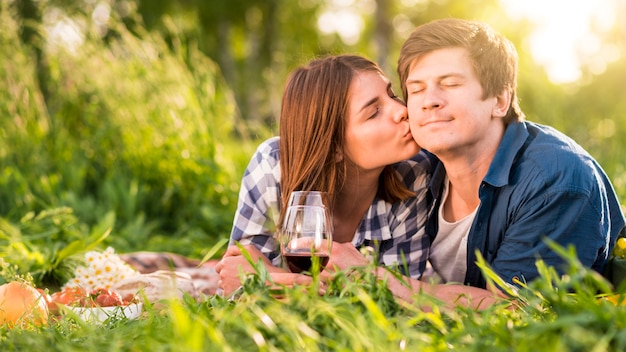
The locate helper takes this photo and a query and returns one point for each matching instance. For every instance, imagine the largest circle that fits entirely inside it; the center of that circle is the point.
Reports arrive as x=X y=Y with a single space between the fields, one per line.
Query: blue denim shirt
x=541 y=184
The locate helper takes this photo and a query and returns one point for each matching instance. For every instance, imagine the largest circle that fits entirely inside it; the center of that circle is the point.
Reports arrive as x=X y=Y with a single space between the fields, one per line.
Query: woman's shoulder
x=418 y=166
x=267 y=151
x=269 y=146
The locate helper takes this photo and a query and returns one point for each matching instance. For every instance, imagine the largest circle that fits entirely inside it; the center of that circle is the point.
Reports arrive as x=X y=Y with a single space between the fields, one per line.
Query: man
x=501 y=185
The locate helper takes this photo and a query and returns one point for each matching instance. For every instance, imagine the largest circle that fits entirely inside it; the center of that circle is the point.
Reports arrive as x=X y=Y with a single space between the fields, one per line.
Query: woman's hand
x=234 y=264
x=345 y=256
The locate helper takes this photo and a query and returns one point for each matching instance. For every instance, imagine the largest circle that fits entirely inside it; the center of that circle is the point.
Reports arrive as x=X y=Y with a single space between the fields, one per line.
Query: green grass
x=555 y=314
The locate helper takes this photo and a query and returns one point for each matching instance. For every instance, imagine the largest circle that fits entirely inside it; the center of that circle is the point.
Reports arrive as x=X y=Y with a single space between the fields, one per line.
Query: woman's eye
x=376 y=111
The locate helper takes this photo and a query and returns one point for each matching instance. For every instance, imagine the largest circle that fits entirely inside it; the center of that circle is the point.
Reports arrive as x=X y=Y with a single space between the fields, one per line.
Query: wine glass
x=309 y=198
x=306 y=238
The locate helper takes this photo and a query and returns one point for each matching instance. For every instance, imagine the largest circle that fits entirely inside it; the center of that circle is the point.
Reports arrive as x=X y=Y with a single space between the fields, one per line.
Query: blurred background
x=136 y=119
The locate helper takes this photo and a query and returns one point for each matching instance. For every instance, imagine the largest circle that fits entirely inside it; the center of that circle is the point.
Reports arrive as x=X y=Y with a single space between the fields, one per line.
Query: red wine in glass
x=306 y=234
x=300 y=262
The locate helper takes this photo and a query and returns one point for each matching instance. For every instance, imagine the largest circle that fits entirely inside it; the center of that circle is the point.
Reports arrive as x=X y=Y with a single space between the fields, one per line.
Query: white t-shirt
x=448 y=253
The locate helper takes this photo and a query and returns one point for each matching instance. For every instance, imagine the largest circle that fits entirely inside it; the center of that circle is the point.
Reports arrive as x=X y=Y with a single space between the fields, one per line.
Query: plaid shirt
x=395 y=231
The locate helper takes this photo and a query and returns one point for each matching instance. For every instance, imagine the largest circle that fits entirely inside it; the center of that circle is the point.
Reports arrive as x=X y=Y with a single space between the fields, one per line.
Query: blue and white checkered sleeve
x=410 y=244
x=258 y=206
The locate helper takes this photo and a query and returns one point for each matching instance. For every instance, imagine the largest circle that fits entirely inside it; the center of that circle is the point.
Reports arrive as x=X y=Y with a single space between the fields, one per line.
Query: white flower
x=101 y=270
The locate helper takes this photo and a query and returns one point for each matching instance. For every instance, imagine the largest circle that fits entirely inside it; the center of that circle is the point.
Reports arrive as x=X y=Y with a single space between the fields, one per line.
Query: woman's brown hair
x=312 y=129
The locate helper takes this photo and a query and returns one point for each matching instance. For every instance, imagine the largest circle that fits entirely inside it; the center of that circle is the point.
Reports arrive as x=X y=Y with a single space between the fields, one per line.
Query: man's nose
x=432 y=98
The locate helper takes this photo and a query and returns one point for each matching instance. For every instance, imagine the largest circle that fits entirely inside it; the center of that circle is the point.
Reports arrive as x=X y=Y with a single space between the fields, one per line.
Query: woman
x=343 y=131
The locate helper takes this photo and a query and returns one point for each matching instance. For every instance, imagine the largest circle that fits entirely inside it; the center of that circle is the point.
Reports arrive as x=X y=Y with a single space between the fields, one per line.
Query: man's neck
x=466 y=172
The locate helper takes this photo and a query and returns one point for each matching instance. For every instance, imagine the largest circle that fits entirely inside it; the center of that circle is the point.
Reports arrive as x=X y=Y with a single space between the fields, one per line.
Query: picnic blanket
x=203 y=276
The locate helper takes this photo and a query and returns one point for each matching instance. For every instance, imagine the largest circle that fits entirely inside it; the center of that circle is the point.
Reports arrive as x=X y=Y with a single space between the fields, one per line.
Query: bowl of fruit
x=96 y=306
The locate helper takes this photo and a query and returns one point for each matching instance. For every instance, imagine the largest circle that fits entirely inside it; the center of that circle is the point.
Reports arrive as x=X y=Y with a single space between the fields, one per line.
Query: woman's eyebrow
x=373 y=100
x=369 y=103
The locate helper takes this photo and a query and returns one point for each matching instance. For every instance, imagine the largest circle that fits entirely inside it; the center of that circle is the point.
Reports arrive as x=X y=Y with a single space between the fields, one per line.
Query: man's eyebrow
x=411 y=81
x=373 y=100
x=442 y=77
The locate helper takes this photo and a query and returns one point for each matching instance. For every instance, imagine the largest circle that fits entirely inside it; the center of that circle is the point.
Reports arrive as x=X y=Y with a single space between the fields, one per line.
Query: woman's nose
x=401 y=112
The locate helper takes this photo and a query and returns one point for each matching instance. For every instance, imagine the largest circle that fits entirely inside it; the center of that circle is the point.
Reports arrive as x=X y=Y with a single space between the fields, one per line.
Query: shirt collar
x=514 y=139
x=515 y=136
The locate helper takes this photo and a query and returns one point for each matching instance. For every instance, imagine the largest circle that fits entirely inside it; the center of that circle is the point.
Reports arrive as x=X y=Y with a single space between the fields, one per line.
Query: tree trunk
x=382 y=35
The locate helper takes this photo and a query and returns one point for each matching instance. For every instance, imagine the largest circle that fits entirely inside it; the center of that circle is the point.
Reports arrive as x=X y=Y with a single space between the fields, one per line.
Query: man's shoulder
x=554 y=159
x=549 y=148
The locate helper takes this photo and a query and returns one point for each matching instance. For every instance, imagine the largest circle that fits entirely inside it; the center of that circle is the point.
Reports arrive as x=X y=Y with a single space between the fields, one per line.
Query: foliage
x=121 y=124
x=45 y=247
x=255 y=43
x=356 y=313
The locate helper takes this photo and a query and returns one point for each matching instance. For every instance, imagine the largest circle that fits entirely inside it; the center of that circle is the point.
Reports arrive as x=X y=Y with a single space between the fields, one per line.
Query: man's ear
x=502 y=104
